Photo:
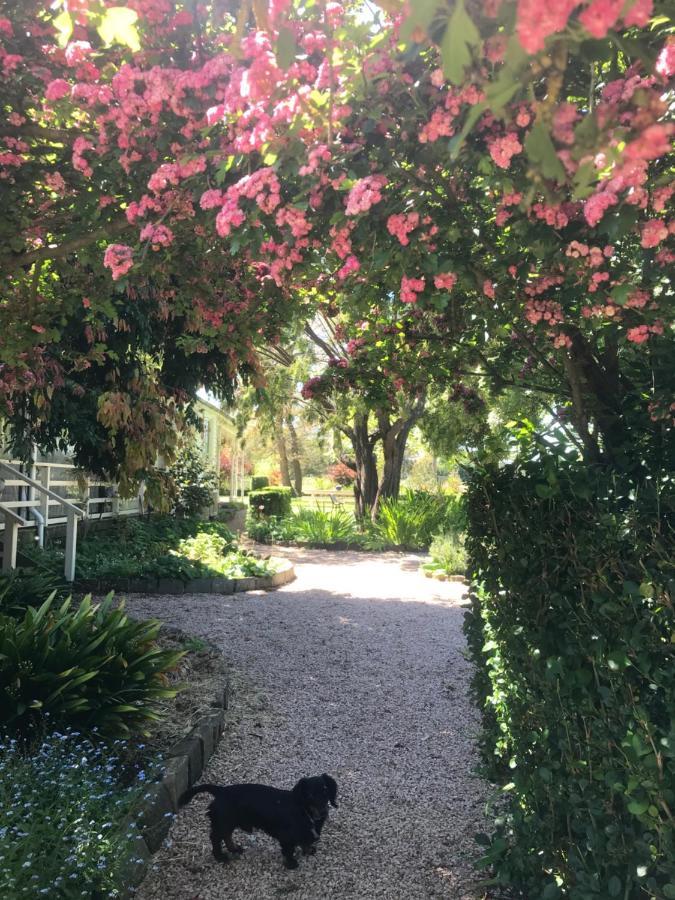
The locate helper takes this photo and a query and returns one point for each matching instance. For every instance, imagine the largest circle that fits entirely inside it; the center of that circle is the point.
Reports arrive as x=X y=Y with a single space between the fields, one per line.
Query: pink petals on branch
x=401 y=225
x=653 y=232
x=537 y=20
x=57 y=90
x=158 y=235
x=502 y=149
x=410 y=288
x=445 y=281
x=365 y=193
x=119 y=258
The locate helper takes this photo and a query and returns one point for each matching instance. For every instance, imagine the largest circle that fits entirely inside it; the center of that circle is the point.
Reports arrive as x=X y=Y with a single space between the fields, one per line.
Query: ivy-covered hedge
x=572 y=630
x=270 y=501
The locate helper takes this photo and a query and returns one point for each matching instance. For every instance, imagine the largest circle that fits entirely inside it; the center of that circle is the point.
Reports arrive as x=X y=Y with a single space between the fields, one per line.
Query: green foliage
x=159 y=547
x=64 y=818
x=28 y=587
x=259 y=481
x=571 y=630
x=271 y=501
x=91 y=665
x=319 y=527
x=411 y=521
x=448 y=554
x=194 y=482
x=270 y=530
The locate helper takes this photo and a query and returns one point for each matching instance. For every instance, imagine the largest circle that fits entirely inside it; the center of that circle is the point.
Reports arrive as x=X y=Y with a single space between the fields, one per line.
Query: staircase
x=40 y=497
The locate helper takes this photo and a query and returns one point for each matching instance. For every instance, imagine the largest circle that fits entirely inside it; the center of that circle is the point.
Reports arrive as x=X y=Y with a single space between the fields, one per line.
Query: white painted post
x=71 y=545
x=45 y=471
x=115 y=500
x=10 y=541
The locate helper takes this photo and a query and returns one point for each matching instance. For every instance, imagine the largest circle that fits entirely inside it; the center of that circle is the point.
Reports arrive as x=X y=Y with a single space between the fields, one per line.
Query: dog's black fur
x=295 y=818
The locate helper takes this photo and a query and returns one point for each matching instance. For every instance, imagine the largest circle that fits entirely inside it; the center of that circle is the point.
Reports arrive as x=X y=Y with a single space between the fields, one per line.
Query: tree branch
x=12 y=263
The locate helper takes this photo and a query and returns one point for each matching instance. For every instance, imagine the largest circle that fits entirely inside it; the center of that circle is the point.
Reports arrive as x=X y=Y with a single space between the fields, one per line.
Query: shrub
x=259 y=481
x=269 y=530
x=324 y=527
x=64 y=823
x=411 y=521
x=271 y=501
x=91 y=666
x=571 y=630
x=28 y=587
x=195 y=483
x=342 y=474
x=448 y=554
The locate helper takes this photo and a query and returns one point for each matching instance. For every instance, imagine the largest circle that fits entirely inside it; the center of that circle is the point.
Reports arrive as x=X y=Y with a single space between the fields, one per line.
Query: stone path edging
x=195 y=586
x=184 y=763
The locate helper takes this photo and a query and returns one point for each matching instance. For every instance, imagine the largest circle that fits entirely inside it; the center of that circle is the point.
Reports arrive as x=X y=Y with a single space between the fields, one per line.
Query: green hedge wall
x=573 y=634
x=270 y=501
x=259 y=481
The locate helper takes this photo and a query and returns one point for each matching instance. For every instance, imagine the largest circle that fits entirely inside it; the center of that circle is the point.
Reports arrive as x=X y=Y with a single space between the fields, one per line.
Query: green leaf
x=118 y=26
x=64 y=25
x=669 y=891
x=638 y=808
x=286 y=49
x=614 y=886
x=421 y=16
x=460 y=37
x=551 y=892
x=541 y=152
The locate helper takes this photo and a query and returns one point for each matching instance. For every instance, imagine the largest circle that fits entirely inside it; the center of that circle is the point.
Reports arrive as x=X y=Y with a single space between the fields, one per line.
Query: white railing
x=50 y=495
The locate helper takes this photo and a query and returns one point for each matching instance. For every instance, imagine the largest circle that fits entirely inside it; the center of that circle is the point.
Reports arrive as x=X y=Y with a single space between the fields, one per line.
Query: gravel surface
x=356 y=669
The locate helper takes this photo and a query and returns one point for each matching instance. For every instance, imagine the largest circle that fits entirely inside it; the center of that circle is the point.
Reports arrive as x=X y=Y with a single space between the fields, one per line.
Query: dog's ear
x=301 y=790
x=331 y=787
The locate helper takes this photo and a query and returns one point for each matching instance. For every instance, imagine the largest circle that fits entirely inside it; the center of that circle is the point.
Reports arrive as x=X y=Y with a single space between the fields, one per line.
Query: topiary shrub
x=571 y=630
x=194 y=482
x=271 y=501
x=259 y=481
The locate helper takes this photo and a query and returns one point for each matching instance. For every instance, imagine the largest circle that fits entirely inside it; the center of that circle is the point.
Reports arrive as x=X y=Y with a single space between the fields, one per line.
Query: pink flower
x=489 y=289
x=653 y=232
x=445 y=281
x=597 y=205
x=351 y=265
x=55 y=181
x=410 y=288
x=537 y=20
x=365 y=193
x=6 y=27
x=652 y=143
x=77 y=52
x=599 y=17
x=57 y=89
x=119 y=259
x=503 y=148
x=401 y=225
x=158 y=235
x=211 y=199
x=665 y=64
x=639 y=13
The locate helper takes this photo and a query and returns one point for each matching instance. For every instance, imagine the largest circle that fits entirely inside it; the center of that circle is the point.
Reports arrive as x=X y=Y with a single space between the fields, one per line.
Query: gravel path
x=357 y=669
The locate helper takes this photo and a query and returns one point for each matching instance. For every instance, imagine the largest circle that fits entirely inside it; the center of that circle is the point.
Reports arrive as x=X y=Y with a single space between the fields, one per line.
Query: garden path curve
x=357 y=669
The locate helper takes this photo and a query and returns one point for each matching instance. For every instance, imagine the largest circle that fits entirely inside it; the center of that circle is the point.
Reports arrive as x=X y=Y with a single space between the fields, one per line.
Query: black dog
x=295 y=818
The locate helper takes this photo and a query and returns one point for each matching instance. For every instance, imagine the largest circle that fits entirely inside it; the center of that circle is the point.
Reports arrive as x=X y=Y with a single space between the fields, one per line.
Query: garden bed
x=162 y=554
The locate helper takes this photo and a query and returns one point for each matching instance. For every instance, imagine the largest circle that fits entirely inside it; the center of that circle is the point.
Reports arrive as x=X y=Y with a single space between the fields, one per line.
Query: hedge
x=259 y=481
x=271 y=501
x=572 y=631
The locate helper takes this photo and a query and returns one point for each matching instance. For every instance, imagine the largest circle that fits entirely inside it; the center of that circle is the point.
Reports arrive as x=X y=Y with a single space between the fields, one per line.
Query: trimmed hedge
x=259 y=481
x=271 y=501
x=572 y=631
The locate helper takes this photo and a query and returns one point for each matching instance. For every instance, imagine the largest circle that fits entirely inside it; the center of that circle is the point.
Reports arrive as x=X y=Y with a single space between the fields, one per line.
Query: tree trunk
x=365 y=486
x=295 y=459
x=283 y=455
x=394 y=439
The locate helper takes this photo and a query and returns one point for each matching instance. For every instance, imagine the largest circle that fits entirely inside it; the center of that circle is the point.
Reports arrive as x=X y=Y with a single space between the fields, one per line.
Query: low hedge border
x=184 y=763
x=195 y=586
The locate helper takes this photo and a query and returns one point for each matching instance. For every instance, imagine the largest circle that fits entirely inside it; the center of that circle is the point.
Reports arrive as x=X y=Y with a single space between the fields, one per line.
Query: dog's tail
x=199 y=789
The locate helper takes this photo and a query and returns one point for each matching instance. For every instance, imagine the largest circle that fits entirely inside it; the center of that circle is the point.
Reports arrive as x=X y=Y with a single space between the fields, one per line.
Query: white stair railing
x=13 y=521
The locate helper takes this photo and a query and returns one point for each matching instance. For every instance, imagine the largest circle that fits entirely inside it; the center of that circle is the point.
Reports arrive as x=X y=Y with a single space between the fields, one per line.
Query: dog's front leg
x=308 y=849
x=288 y=851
